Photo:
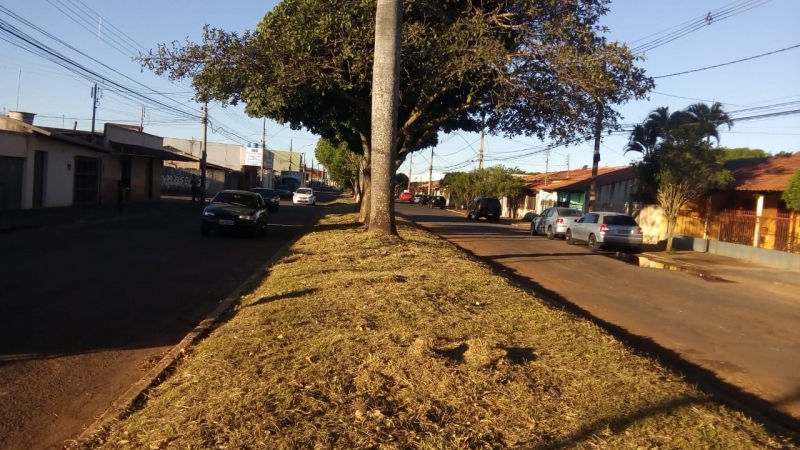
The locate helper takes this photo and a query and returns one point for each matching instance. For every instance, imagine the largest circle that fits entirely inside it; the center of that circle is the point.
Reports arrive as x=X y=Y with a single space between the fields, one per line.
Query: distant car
x=283 y=190
x=423 y=200
x=606 y=229
x=488 y=207
x=236 y=211
x=270 y=196
x=407 y=197
x=304 y=195
x=437 y=201
x=554 y=221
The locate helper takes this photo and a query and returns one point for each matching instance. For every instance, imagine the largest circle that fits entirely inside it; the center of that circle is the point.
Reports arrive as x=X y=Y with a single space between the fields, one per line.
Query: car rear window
x=492 y=202
x=569 y=213
x=624 y=221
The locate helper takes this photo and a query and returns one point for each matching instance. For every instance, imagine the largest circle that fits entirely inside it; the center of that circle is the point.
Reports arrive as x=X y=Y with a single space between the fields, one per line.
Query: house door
x=11 y=182
x=87 y=180
x=39 y=160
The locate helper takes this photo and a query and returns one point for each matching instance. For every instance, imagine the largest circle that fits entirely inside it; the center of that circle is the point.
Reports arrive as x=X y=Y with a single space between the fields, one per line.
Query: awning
x=158 y=153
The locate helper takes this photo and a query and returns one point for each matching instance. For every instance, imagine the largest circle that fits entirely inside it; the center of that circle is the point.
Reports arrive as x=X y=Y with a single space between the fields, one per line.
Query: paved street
x=85 y=310
x=746 y=336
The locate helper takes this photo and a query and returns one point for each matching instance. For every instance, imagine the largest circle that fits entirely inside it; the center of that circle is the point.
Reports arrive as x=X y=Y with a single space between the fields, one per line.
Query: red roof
x=574 y=180
x=770 y=174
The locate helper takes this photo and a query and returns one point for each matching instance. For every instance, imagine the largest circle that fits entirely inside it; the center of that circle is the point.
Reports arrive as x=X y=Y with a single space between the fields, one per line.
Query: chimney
x=22 y=116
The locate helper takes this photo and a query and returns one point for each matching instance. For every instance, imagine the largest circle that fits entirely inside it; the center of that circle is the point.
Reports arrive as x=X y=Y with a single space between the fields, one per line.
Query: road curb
x=138 y=392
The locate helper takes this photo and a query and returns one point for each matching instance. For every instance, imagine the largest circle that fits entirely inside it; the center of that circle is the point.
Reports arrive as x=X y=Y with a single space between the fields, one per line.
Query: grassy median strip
x=356 y=341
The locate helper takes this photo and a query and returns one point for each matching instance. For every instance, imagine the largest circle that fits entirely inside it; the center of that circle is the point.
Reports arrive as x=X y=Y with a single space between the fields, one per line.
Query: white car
x=304 y=195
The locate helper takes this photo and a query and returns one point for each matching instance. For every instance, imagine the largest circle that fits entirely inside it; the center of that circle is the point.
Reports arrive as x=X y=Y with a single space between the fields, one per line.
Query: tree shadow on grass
x=519 y=355
x=336 y=226
x=618 y=424
x=273 y=298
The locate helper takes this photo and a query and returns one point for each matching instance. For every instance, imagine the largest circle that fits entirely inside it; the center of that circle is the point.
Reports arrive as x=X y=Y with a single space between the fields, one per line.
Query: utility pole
x=480 y=151
x=410 y=165
x=567 y=165
x=430 y=174
x=94 y=108
x=264 y=135
x=263 y=151
x=19 y=82
x=546 y=164
x=290 y=156
x=204 y=155
x=141 y=120
x=598 y=131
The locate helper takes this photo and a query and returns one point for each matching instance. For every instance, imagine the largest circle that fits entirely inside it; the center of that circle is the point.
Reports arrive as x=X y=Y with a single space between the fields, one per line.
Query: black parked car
x=437 y=201
x=424 y=199
x=488 y=207
x=236 y=211
x=271 y=198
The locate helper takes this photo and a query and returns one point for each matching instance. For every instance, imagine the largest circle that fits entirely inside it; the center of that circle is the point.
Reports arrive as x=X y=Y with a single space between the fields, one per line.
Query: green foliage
x=783 y=154
x=495 y=181
x=792 y=193
x=680 y=129
x=341 y=162
x=522 y=67
x=400 y=182
x=744 y=153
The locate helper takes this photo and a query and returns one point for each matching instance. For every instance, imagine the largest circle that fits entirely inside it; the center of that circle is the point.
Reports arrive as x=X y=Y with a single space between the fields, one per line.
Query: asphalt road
x=86 y=310
x=746 y=337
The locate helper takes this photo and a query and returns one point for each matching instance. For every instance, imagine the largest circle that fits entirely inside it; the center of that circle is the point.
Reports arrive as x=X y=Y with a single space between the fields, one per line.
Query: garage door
x=11 y=182
x=87 y=180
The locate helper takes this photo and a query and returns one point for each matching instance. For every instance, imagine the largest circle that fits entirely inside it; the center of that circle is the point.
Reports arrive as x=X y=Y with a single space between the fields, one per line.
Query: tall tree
x=522 y=67
x=647 y=138
x=688 y=167
x=341 y=163
x=386 y=86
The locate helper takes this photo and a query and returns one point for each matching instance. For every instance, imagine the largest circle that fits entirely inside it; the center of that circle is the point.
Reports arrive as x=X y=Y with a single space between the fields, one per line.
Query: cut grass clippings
x=358 y=341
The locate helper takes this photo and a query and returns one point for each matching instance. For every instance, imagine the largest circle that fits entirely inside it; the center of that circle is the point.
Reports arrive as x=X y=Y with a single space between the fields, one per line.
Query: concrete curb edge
x=127 y=402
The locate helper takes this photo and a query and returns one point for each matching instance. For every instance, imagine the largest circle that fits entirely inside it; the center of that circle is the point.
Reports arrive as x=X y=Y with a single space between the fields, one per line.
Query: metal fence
x=777 y=233
x=737 y=227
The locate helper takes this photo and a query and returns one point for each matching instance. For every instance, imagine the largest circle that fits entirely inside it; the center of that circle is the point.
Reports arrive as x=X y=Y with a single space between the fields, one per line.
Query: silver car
x=554 y=221
x=606 y=229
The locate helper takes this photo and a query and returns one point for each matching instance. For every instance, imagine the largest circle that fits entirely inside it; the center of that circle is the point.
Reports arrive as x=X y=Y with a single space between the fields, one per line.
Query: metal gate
x=11 y=182
x=87 y=180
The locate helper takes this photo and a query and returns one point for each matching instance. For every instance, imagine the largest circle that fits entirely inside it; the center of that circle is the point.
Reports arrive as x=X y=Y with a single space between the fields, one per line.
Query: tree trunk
x=385 y=93
x=598 y=133
x=366 y=191
x=671 y=221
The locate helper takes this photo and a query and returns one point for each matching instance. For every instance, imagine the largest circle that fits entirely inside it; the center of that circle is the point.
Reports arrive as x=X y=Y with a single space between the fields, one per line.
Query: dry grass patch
x=356 y=341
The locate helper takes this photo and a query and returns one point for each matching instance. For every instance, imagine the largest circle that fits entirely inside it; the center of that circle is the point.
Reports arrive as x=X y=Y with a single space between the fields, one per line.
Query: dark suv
x=488 y=207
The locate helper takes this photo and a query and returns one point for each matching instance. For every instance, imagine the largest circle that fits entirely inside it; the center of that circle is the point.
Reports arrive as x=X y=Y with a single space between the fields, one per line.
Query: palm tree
x=709 y=119
x=645 y=136
x=385 y=87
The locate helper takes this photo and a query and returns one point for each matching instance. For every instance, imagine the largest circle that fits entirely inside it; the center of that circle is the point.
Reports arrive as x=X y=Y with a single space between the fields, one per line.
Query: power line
x=730 y=62
x=725 y=12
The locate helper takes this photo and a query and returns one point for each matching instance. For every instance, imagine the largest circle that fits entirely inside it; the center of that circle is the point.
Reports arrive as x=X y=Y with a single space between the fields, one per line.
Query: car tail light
x=639 y=231
x=603 y=228
x=479 y=207
x=560 y=221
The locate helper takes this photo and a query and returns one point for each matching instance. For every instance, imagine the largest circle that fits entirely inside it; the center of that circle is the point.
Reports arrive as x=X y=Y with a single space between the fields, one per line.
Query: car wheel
x=469 y=216
x=593 y=245
x=550 y=234
x=568 y=239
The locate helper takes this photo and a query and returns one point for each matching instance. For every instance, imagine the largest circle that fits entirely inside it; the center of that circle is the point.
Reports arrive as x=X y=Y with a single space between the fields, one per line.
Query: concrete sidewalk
x=721 y=268
x=72 y=215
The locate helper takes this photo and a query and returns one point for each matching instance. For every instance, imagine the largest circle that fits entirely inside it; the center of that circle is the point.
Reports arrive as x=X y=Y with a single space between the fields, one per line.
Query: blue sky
x=54 y=93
